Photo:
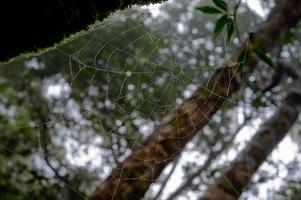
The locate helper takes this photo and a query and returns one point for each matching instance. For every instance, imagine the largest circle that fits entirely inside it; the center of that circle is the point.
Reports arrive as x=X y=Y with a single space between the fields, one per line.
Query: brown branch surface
x=133 y=177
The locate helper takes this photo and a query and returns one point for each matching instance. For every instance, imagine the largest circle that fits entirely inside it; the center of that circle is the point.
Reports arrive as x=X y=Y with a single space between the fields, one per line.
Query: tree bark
x=211 y=157
x=28 y=26
x=232 y=182
x=133 y=177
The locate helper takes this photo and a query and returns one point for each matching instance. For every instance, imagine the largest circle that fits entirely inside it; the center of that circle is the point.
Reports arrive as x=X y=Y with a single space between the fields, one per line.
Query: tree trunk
x=232 y=182
x=133 y=177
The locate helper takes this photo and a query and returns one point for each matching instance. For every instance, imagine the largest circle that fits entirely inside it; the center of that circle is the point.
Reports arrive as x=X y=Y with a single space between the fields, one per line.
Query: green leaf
x=242 y=59
x=221 y=4
x=252 y=36
x=208 y=9
x=220 y=24
x=230 y=29
x=265 y=58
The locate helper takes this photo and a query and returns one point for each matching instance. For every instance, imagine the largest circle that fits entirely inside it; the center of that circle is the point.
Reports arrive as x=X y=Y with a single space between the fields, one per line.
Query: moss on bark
x=28 y=26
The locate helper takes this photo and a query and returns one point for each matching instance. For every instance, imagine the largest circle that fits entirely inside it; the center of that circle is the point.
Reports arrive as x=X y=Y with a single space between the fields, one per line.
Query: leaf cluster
x=224 y=21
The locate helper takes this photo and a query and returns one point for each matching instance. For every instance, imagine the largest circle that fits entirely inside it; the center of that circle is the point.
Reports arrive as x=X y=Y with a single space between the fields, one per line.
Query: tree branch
x=233 y=180
x=28 y=26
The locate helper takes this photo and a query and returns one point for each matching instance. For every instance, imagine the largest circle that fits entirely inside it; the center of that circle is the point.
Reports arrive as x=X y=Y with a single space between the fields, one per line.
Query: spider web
x=159 y=66
x=133 y=77
x=166 y=72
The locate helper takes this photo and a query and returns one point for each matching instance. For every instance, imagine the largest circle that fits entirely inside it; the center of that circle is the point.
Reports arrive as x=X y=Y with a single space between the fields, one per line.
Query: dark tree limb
x=238 y=175
x=28 y=26
x=282 y=70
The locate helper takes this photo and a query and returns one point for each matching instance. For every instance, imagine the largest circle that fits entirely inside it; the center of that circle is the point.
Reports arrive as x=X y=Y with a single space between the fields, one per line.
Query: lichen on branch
x=28 y=26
